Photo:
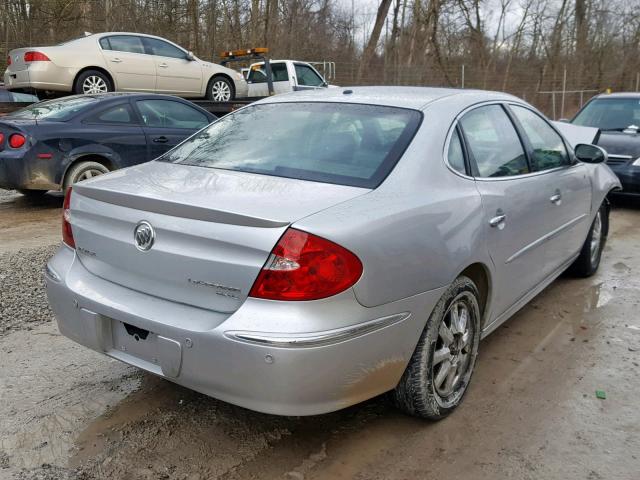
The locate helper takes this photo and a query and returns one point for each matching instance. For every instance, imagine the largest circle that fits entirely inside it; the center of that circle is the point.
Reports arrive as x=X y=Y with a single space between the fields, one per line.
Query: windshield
x=339 y=143
x=610 y=113
x=59 y=109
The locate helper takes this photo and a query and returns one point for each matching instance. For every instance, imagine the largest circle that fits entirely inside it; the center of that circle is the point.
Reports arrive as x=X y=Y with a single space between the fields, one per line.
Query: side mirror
x=190 y=56
x=591 y=153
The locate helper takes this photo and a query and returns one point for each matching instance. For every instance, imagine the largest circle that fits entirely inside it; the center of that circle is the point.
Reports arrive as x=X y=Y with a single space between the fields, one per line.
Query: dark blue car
x=53 y=144
x=617 y=116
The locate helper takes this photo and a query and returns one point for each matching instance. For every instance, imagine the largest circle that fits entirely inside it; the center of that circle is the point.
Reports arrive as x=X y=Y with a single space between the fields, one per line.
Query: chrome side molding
x=317 y=339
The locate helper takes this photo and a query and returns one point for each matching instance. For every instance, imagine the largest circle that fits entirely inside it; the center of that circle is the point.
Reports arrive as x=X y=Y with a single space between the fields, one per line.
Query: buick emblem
x=144 y=236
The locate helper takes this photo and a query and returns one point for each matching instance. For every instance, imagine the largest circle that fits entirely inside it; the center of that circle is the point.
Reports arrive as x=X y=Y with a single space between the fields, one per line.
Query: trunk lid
x=214 y=229
x=17 y=58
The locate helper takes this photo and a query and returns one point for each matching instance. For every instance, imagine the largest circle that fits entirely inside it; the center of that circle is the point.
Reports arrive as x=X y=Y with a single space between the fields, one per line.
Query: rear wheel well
x=87 y=158
x=226 y=77
x=478 y=273
x=99 y=69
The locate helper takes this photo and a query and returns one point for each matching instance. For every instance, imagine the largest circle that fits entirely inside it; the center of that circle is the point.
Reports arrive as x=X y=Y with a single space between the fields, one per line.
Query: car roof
x=115 y=95
x=619 y=95
x=406 y=97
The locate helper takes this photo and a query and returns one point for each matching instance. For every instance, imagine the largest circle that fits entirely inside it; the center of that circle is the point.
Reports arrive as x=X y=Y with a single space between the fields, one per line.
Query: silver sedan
x=313 y=250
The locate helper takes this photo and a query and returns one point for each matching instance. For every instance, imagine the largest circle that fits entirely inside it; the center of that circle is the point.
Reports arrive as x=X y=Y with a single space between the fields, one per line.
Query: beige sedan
x=128 y=62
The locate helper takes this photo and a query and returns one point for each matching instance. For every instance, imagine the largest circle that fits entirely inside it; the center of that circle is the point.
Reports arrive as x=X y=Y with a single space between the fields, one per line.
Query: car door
x=566 y=186
x=257 y=80
x=176 y=73
x=131 y=68
x=116 y=128
x=513 y=206
x=166 y=123
x=307 y=78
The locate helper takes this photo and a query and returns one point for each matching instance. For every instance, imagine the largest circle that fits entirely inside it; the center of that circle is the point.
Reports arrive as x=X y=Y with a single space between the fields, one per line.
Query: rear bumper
x=260 y=357
x=40 y=76
x=17 y=170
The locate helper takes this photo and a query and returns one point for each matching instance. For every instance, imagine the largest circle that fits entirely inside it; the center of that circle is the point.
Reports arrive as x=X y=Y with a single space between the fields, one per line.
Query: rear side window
x=162 y=48
x=169 y=114
x=125 y=43
x=307 y=77
x=278 y=70
x=347 y=144
x=455 y=154
x=548 y=148
x=493 y=142
x=120 y=114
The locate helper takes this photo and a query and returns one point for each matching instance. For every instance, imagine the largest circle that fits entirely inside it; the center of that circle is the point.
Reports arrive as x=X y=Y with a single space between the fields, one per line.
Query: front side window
x=493 y=142
x=548 y=148
x=125 y=43
x=170 y=114
x=610 y=113
x=346 y=144
x=118 y=114
x=161 y=48
x=307 y=76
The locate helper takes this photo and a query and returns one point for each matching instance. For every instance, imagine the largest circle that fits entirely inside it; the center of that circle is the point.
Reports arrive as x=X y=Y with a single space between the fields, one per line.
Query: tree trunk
x=372 y=44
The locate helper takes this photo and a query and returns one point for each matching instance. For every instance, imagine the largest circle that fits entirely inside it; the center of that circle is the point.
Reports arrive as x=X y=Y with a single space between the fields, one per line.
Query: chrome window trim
x=456 y=120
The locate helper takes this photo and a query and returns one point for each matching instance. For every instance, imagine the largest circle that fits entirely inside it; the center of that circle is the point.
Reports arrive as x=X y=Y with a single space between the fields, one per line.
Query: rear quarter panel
x=418 y=230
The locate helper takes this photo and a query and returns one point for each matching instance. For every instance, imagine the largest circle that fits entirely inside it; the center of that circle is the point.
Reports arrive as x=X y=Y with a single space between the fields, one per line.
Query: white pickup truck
x=288 y=76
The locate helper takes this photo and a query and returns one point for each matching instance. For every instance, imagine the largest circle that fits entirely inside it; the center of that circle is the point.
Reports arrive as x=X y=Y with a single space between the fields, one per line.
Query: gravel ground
x=23 y=302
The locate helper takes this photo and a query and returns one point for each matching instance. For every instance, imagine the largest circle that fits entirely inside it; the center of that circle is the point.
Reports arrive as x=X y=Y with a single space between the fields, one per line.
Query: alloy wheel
x=452 y=355
x=221 y=92
x=94 y=84
x=87 y=174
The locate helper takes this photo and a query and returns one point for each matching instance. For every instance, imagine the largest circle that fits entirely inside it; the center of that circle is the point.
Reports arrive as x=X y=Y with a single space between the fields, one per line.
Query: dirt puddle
x=26 y=223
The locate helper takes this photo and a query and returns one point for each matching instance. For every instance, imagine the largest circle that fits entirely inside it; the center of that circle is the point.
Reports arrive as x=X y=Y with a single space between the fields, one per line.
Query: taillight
x=17 y=140
x=305 y=267
x=35 y=57
x=1 y=139
x=67 y=233
x=8 y=60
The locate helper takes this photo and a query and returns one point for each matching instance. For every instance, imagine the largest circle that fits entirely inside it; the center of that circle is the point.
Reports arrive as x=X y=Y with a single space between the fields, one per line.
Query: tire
x=220 y=89
x=82 y=171
x=91 y=82
x=588 y=261
x=423 y=390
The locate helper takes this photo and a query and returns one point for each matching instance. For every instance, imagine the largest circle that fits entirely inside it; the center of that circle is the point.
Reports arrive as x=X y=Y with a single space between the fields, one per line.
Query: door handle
x=556 y=198
x=116 y=60
x=499 y=220
x=163 y=65
x=161 y=139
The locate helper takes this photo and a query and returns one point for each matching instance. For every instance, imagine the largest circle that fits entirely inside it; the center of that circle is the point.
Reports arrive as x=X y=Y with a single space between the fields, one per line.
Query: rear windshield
x=610 y=113
x=59 y=109
x=346 y=144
